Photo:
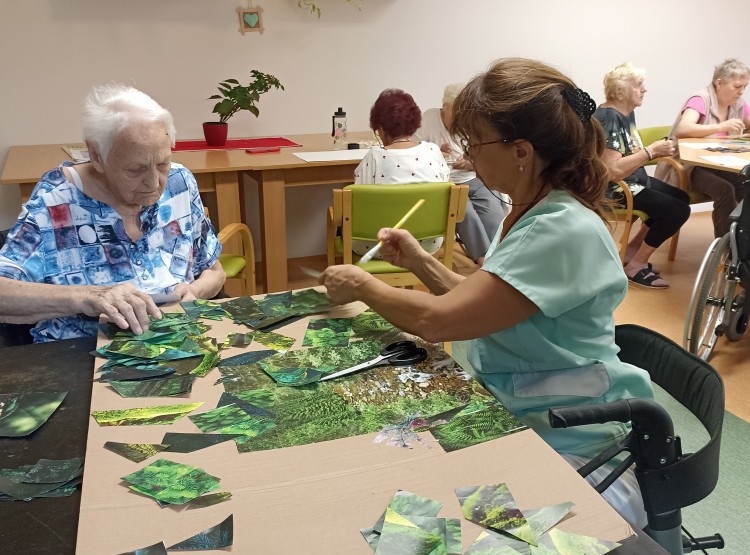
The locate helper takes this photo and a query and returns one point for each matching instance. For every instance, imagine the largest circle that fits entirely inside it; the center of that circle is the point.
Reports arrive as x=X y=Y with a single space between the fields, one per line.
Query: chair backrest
x=650 y=135
x=696 y=386
x=376 y=206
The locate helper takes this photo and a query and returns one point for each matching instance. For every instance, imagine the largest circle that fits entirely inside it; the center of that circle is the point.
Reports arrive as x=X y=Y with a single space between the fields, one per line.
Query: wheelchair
x=668 y=478
x=717 y=308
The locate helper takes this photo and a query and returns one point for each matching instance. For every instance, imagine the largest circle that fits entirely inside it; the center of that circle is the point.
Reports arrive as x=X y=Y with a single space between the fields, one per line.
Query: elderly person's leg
x=720 y=186
x=668 y=209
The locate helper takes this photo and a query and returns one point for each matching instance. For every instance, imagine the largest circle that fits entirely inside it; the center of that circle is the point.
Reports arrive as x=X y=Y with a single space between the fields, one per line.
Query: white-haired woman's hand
x=124 y=305
x=662 y=148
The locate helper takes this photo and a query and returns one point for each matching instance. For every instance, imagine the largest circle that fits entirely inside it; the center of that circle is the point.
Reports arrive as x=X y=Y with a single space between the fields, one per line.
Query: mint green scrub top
x=561 y=256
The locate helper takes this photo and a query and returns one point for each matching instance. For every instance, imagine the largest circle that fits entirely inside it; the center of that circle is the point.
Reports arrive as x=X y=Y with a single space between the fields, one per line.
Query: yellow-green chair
x=627 y=216
x=360 y=211
x=650 y=135
x=239 y=268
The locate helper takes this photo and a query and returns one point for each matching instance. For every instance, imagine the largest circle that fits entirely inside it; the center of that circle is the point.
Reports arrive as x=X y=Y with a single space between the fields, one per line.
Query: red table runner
x=234 y=144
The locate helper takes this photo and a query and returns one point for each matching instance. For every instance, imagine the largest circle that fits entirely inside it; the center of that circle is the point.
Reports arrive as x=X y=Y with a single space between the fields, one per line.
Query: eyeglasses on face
x=466 y=146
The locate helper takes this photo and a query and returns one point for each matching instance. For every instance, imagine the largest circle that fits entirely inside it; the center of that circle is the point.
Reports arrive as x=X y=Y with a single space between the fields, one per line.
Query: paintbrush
x=376 y=249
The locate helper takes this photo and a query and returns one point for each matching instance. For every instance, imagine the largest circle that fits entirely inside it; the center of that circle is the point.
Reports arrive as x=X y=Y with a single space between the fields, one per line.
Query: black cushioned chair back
x=699 y=388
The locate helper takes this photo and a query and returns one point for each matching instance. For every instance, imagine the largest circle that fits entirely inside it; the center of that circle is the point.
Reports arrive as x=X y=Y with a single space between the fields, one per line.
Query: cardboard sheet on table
x=329 y=490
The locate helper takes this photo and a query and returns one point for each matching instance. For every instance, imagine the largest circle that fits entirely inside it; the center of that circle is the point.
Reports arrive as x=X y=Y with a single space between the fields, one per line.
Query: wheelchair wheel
x=711 y=307
x=737 y=323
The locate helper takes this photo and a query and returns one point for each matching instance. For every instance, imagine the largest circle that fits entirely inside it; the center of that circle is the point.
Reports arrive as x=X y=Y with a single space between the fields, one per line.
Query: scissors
x=400 y=353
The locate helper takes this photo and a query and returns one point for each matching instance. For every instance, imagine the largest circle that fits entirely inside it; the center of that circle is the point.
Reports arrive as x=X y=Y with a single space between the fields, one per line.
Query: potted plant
x=233 y=98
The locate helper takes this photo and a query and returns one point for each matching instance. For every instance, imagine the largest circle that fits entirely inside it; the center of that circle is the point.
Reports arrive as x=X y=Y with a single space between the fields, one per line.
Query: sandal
x=647 y=277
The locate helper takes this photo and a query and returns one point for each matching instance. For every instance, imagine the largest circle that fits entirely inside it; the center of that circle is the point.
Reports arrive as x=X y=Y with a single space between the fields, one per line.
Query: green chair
x=650 y=135
x=360 y=211
x=239 y=268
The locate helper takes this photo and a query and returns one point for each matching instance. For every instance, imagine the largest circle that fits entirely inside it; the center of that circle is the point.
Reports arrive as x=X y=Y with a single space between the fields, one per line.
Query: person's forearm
x=209 y=283
x=626 y=165
x=686 y=130
x=23 y=302
x=436 y=276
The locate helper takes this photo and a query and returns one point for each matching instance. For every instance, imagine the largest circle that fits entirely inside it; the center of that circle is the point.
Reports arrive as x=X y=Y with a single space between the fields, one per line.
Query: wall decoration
x=251 y=20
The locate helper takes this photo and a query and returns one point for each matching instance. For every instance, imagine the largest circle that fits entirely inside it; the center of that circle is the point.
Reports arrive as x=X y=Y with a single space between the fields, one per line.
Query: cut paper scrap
x=476 y=423
x=237 y=340
x=251 y=402
x=244 y=359
x=156 y=549
x=201 y=308
x=310 y=301
x=216 y=537
x=402 y=434
x=400 y=535
x=46 y=478
x=135 y=373
x=333 y=332
x=187 y=443
x=542 y=520
x=208 y=500
x=493 y=506
x=404 y=503
x=136 y=452
x=557 y=542
x=231 y=419
x=22 y=413
x=492 y=543
x=369 y=325
x=171 y=482
x=157 y=387
x=274 y=341
x=144 y=416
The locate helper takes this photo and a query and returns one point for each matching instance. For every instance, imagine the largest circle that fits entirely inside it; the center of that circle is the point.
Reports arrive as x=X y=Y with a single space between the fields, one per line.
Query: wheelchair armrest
x=565 y=417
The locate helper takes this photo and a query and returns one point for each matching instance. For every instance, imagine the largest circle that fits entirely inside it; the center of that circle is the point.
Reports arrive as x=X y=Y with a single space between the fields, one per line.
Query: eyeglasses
x=466 y=146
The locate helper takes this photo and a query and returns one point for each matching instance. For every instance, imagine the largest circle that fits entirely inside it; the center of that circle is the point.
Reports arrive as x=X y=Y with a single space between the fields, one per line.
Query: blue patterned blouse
x=65 y=237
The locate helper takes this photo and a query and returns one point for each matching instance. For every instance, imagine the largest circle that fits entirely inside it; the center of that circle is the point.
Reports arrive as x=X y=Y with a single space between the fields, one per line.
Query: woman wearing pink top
x=716 y=111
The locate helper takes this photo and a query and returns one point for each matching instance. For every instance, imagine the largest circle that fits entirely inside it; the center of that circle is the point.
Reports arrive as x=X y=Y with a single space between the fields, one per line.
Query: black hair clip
x=581 y=102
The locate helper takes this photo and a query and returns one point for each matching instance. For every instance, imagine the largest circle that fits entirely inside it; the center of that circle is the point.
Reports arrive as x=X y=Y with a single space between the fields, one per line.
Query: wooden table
x=693 y=155
x=219 y=174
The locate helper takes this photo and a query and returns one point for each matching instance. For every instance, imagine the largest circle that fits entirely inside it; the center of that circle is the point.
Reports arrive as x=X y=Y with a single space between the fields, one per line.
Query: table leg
x=271 y=191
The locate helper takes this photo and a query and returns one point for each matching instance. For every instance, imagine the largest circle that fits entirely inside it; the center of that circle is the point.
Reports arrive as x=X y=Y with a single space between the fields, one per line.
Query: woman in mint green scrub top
x=540 y=311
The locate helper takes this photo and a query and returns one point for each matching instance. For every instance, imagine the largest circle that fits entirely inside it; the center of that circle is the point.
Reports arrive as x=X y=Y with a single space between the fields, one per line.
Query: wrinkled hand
x=182 y=290
x=734 y=126
x=400 y=248
x=446 y=148
x=662 y=148
x=342 y=281
x=124 y=304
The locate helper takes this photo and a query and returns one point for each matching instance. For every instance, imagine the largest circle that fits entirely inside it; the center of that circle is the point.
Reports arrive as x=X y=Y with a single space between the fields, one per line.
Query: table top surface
x=316 y=495
x=27 y=163
x=697 y=156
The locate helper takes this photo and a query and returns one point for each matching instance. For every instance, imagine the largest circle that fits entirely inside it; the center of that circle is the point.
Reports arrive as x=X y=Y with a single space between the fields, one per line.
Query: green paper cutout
x=155 y=387
x=274 y=341
x=47 y=471
x=246 y=358
x=156 y=549
x=171 y=482
x=230 y=419
x=208 y=500
x=216 y=537
x=494 y=507
x=400 y=536
x=332 y=332
x=492 y=543
x=558 y=542
x=187 y=443
x=22 y=413
x=136 y=452
x=144 y=416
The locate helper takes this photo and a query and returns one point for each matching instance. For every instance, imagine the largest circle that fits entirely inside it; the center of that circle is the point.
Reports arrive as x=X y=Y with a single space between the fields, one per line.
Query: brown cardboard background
x=312 y=498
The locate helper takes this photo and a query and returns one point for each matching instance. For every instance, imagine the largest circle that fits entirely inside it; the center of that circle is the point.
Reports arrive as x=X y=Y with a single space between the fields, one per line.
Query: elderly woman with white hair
x=717 y=110
x=667 y=207
x=102 y=237
x=486 y=211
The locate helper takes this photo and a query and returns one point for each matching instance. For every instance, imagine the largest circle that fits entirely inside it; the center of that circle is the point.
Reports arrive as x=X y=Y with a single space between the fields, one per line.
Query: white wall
x=53 y=51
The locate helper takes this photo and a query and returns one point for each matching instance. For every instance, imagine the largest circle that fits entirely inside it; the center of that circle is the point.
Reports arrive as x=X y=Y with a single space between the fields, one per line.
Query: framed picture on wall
x=251 y=20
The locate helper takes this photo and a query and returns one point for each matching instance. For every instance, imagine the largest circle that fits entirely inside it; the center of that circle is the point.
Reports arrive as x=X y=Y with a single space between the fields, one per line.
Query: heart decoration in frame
x=251 y=19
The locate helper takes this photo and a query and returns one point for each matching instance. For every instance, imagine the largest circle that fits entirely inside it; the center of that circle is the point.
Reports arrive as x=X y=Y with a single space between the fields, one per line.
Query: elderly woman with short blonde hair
x=667 y=207
x=717 y=110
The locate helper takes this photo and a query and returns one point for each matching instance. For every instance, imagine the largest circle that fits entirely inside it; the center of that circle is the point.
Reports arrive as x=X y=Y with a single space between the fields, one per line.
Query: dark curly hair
x=523 y=99
x=396 y=113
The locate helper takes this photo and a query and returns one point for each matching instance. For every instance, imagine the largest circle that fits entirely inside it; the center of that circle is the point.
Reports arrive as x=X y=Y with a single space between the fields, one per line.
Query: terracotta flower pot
x=215 y=133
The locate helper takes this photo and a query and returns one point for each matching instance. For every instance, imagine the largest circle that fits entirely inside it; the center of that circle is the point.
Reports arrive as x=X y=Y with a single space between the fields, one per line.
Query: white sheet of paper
x=700 y=146
x=732 y=161
x=333 y=155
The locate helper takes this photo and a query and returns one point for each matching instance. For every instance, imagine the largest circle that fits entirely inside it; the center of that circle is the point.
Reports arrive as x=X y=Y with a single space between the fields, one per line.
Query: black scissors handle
x=407 y=358
x=398 y=347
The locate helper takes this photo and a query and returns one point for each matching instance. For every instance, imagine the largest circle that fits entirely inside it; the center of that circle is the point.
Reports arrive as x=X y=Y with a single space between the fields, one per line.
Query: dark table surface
x=50 y=525
x=46 y=525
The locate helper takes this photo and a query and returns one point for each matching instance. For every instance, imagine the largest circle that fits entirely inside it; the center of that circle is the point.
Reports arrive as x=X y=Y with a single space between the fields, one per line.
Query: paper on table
x=78 y=152
x=732 y=161
x=700 y=146
x=332 y=155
